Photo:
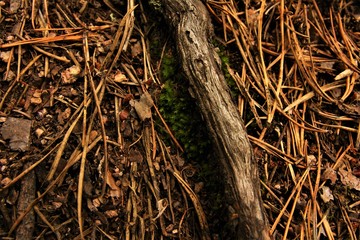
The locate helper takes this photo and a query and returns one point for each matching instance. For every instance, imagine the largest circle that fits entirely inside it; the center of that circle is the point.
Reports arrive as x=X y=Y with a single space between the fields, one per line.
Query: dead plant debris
x=299 y=78
x=81 y=72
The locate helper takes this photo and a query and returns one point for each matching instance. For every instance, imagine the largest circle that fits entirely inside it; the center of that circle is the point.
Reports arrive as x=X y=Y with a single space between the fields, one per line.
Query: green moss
x=180 y=111
x=168 y=68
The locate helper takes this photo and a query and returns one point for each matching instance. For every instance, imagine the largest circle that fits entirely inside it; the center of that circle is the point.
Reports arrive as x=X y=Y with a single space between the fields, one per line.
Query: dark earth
x=101 y=139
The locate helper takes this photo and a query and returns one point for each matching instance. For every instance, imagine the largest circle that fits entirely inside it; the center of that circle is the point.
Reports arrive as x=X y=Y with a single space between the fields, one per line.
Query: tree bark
x=192 y=30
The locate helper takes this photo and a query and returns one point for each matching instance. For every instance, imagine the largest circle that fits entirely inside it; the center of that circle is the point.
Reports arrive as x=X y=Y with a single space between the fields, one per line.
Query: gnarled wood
x=190 y=22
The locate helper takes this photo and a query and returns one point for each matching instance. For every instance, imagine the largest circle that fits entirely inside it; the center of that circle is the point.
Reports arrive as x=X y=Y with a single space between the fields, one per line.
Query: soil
x=101 y=159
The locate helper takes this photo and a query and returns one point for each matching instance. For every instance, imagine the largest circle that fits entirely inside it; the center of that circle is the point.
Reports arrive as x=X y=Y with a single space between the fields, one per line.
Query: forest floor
x=100 y=138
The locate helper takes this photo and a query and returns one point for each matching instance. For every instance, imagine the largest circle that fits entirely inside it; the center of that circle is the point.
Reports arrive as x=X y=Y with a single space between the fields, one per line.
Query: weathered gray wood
x=192 y=28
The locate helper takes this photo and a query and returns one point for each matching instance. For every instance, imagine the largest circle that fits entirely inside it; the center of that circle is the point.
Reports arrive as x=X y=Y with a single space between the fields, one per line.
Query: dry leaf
x=329 y=174
x=5 y=181
x=36 y=97
x=136 y=49
x=326 y=194
x=328 y=66
x=96 y=202
x=311 y=160
x=14 y=6
x=111 y=213
x=10 y=76
x=63 y=116
x=349 y=180
x=90 y=205
x=119 y=77
x=71 y=74
x=57 y=205
x=5 y=56
x=35 y=101
x=143 y=107
x=124 y=114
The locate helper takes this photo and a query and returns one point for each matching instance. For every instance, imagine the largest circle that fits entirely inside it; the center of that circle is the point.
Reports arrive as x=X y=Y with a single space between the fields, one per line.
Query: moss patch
x=180 y=111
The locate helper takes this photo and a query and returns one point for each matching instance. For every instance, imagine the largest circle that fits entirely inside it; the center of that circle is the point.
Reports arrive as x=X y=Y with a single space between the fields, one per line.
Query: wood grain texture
x=192 y=29
x=26 y=196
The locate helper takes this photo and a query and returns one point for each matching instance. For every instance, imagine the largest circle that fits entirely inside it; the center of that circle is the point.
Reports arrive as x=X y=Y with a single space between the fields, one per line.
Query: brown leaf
x=136 y=49
x=71 y=74
x=143 y=107
x=111 y=213
x=5 y=56
x=326 y=194
x=349 y=180
x=14 y=6
x=63 y=116
x=5 y=181
x=90 y=205
x=119 y=77
x=124 y=114
x=329 y=174
x=36 y=97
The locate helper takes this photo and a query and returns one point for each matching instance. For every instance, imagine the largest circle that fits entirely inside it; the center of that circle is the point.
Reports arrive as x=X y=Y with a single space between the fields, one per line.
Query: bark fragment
x=27 y=195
